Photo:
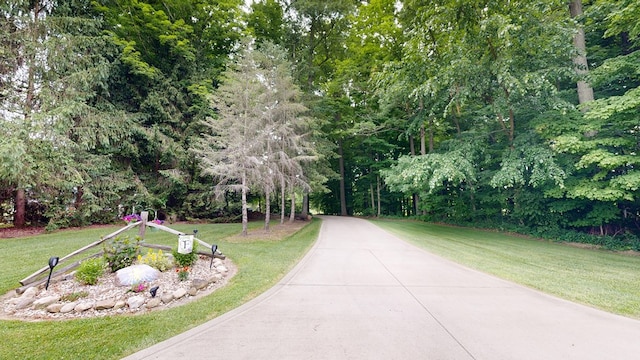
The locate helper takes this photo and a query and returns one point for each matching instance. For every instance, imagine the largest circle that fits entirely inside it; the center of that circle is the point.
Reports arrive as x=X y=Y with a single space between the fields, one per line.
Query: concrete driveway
x=361 y=293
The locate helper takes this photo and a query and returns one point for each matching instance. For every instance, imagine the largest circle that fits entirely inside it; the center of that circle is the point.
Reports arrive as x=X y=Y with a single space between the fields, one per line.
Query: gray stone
x=214 y=279
x=199 y=284
x=24 y=303
x=105 y=304
x=45 y=301
x=136 y=274
x=223 y=269
x=154 y=302
x=67 y=308
x=179 y=293
x=218 y=276
x=55 y=308
x=119 y=305
x=192 y=291
x=30 y=292
x=83 y=306
x=135 y=301
x=167 y=298
x=217 y=262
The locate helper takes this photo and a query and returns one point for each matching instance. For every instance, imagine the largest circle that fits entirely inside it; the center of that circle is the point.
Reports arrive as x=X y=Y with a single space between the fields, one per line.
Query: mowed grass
x=598 y=278
x=260 y=265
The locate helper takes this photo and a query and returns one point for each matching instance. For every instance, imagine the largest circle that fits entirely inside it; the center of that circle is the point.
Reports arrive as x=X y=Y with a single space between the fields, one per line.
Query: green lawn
x=260 y=265
x=599 y=278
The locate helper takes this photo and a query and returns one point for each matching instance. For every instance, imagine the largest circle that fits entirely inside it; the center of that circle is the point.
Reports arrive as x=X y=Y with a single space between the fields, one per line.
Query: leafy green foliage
x=185 y=260
x=90 y=271
x=156 y=259
x=121 y=252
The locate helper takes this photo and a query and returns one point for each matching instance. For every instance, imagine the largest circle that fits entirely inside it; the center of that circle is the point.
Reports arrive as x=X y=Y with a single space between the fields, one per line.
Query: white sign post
x=185 y=244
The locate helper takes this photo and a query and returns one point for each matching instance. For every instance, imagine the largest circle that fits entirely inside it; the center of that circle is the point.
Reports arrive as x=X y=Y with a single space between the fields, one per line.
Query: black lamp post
x=214 y=247
x=53 y=261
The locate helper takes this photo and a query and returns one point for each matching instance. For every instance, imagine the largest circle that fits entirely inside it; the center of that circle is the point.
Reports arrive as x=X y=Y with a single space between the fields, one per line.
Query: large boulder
x=136 y=274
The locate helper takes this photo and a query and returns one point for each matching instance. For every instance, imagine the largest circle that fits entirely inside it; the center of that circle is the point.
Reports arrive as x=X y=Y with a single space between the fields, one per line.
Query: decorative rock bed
x=67 y=299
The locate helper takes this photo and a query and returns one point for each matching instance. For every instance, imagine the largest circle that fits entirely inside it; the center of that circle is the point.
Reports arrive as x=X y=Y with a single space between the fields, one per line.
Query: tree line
x=519 y=115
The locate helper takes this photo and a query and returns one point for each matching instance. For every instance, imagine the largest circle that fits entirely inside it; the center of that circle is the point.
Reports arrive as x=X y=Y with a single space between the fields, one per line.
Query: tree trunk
x=245 y=219
x=414 y=196
x=343 y=198
x=305 y=204
x=430 y=135
x=292 y=215
x=378 y=183
x=267 y=210
x=423 y=144
x=19 y=220
x=373 y=200
x=585 y=92
x=78 y=200
x=283 y=203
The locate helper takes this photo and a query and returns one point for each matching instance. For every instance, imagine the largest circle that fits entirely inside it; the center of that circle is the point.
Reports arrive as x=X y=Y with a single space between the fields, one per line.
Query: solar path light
x=214 y=247
x=53 y=261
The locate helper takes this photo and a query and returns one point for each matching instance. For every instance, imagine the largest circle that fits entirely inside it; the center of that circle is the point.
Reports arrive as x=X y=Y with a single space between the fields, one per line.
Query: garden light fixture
x=214 y=247
x=53 y=261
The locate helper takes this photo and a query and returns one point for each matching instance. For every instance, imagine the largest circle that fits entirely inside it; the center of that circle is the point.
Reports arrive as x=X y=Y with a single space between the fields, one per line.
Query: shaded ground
x=276 y=231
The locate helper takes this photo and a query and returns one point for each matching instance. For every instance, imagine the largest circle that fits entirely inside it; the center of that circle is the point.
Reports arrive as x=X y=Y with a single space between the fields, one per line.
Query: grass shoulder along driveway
x=598 y=278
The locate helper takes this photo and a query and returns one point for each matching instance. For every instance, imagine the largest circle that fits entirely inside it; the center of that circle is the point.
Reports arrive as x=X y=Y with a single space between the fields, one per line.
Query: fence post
x=143 y=226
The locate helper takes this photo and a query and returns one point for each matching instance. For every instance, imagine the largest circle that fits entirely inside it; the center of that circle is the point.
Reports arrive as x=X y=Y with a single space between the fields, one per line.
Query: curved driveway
x=361 y=293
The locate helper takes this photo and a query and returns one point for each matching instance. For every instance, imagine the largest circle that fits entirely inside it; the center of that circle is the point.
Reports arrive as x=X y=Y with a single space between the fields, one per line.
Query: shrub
x=121 y=252
x=156 y=260
x=185 y=260
x=90 y=271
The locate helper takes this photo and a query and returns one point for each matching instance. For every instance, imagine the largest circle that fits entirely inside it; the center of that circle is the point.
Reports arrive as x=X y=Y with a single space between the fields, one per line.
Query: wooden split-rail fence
x=40 y=276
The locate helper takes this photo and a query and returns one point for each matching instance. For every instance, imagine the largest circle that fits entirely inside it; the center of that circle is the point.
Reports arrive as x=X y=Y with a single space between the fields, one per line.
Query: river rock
x=24 y=303
x=167 y=298
x=119 y=305
x=199 y=284
x=135 y=302
x=83 y=306
x=30 y=293
x=179 y=293
x=154 y=302
x=105 y=304
x=55 y=308
x=192 y=291
x=67 y=308
x=45 y=301
x=223 y=269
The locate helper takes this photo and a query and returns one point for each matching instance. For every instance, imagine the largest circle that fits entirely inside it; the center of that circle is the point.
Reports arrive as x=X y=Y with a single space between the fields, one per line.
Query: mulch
x=8 y=233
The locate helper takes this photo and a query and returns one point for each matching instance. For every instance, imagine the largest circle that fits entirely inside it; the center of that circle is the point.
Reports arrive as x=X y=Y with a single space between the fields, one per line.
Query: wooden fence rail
x=36 y=278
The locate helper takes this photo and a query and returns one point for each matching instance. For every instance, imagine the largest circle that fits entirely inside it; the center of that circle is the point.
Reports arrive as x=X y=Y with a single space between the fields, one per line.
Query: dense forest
x=517 y=115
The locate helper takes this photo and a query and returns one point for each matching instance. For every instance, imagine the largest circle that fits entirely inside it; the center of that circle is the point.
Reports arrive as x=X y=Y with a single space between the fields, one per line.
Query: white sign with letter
x=185 y=244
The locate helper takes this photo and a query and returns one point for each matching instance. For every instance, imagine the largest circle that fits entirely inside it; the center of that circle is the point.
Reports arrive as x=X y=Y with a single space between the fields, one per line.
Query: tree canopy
x=508 y=114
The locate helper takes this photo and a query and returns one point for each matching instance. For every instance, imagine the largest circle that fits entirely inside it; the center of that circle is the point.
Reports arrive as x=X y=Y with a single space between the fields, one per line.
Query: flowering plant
x=183 y=273
x=139 y=287
x=132 y=218
x=157 y=221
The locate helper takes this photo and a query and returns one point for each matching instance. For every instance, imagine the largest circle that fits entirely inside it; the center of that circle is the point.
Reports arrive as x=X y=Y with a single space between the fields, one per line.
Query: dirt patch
x=10 y=232
x=275 y=232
